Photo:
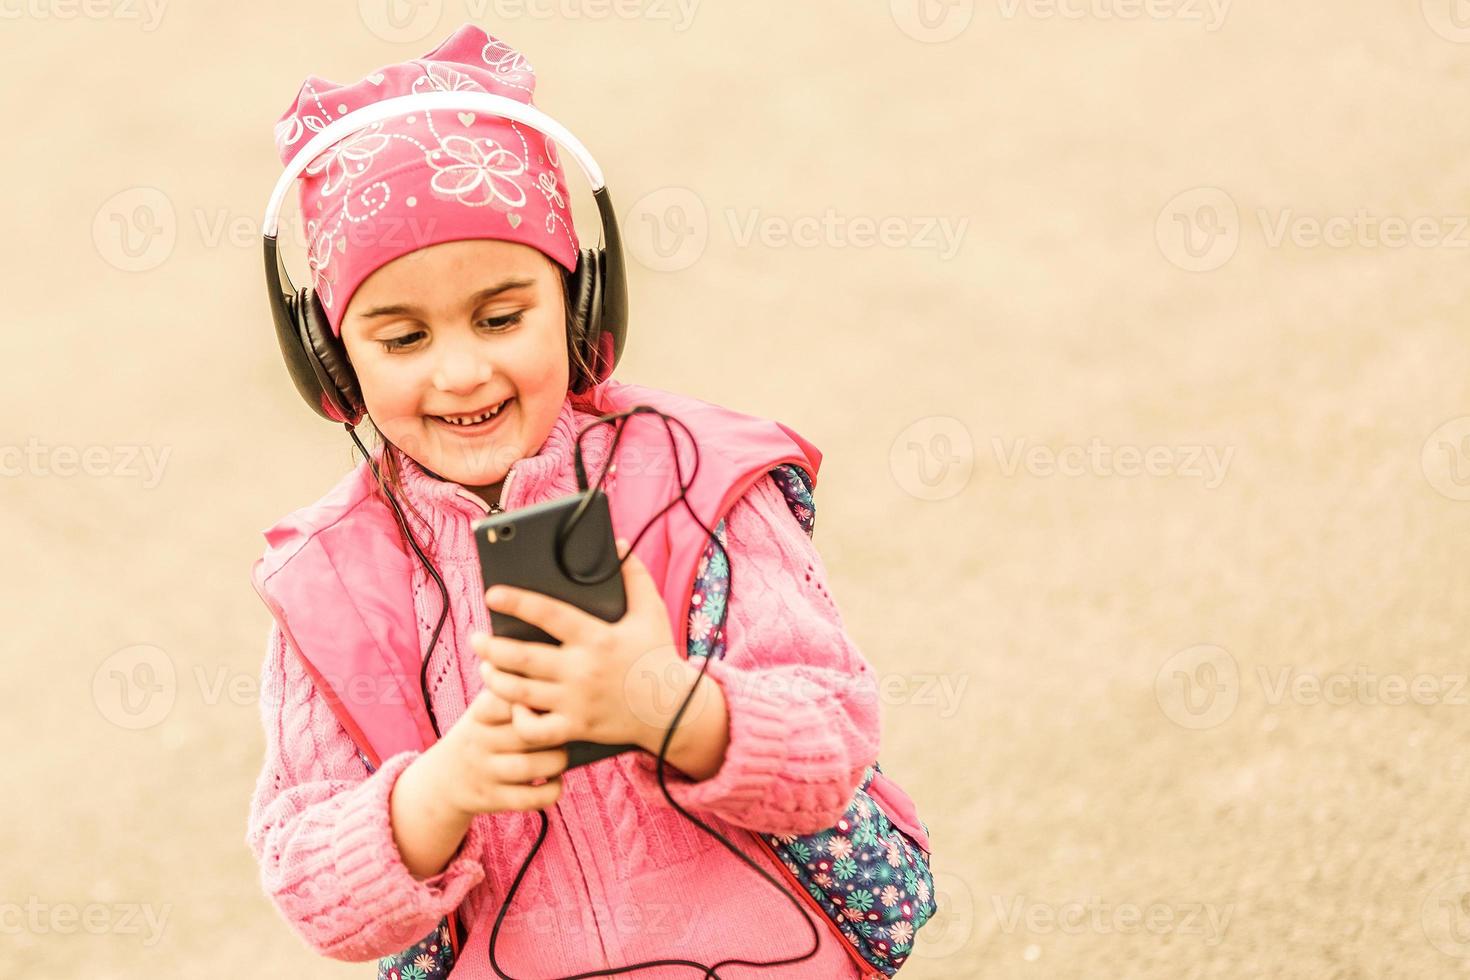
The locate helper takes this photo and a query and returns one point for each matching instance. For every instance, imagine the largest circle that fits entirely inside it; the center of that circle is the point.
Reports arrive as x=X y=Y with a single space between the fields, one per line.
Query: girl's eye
x=502 y=322
x=399 y=343
x=497 y=324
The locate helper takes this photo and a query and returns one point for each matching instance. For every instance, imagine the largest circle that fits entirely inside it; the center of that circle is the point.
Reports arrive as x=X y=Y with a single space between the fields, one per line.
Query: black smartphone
x=519 y=549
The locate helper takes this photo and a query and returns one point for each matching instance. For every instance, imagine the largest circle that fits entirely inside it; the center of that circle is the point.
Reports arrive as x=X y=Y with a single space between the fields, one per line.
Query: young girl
x=443 y=263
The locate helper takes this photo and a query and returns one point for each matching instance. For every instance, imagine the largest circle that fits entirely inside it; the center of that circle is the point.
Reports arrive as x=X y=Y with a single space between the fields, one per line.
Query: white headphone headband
x=486 y=102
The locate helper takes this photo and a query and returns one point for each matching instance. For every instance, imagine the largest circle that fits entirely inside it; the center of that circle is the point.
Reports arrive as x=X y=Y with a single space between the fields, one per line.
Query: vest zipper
x=495 y=508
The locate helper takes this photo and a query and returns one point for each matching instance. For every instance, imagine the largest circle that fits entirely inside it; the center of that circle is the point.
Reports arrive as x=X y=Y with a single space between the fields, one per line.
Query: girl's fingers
x=524 y=768
x=489 y=708
x=545 y=695
x=566 y=622
x=539 y=660
x=525 y=732
x=538 y=729
x=532 y=797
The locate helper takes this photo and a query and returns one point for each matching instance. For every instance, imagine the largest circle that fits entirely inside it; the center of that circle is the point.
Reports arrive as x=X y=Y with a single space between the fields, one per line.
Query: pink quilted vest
x=338 y=579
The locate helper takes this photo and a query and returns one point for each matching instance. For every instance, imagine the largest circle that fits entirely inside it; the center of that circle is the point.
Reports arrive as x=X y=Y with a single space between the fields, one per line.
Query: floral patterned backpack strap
x=866 y=874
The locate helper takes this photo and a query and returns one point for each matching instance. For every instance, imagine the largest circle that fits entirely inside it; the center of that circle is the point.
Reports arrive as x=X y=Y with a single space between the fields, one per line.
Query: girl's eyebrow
x=404 y=309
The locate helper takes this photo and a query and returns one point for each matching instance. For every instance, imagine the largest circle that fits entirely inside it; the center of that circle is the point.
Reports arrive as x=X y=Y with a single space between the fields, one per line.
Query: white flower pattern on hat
x=505 y=60
x=348 y=158
x=481 y=163
x=288 y=131
x=319 y=258
x=547 y=182
x=373 y=197
x=444 y=79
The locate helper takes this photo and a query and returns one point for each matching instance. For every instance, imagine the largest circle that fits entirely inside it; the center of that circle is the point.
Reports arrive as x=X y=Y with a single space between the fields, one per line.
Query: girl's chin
x=469 y=477
x=474 y=462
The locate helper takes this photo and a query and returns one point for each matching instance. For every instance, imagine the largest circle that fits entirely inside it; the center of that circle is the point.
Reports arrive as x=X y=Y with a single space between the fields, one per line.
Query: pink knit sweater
x=622 y=877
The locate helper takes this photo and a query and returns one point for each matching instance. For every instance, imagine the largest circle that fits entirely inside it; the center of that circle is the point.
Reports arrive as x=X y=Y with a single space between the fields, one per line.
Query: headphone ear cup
x=584 y=293
x=341 y=398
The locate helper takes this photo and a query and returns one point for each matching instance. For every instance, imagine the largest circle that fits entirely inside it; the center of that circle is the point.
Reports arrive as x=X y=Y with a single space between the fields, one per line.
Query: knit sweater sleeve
x=802 y=701
x=320 y=831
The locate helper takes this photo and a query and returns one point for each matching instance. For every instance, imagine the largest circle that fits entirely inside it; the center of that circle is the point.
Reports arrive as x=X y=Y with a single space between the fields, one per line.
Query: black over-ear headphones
x=597 y=292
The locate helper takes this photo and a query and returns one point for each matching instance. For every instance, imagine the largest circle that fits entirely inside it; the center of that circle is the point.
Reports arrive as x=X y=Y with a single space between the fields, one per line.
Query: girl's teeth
x=473 y=420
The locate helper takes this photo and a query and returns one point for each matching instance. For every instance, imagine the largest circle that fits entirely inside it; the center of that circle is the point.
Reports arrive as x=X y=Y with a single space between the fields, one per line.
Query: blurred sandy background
x=1146 y=491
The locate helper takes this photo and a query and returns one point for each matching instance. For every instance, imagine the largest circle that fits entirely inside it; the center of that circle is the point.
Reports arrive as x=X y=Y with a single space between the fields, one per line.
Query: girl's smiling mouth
x=462 y=425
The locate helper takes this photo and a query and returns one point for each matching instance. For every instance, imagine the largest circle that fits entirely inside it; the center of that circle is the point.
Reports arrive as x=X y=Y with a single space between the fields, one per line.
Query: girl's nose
x=461 y=371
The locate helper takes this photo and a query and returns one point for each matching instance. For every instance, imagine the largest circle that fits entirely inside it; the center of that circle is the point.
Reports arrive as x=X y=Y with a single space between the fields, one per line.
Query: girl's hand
x=610 y=683
x=482 y=765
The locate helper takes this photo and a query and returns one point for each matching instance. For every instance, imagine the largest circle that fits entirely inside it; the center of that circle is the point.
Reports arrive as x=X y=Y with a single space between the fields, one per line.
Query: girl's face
x=452 y=330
